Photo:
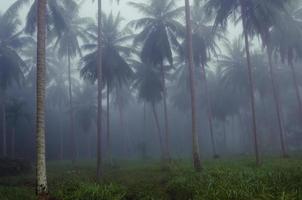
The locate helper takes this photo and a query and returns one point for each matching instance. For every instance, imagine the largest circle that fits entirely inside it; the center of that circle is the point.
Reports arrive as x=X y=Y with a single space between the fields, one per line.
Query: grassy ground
x=234 y=179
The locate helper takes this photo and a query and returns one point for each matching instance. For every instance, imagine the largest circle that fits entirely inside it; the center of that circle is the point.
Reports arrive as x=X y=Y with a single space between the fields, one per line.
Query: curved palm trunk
x=71 y=115
x=209 y=110
x=167 y=132
x=251 y=83
x=298 y=96
x=99 y=100
x=158 y=131
x=195 y=145
x=108 y=124
x=41 y=179
x=277 y=102
x=4 y=133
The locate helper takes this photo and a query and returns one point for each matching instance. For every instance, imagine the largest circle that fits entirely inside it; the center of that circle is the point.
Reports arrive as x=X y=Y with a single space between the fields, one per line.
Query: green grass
x=234 y=179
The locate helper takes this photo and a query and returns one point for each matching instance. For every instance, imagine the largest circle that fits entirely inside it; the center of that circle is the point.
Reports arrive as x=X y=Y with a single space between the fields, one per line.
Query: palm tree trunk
x=4 y=133
x=71 y=115
x=251 y=82
x=224 y=135
x=99 y=88
x=298 y=96
x=61 y=141
x=167 y=132
x=195 y=145
x=277 y=102
x=108 y=124
x=209 y=110
x=158 y=131
x=41 y=178
x=13 y=143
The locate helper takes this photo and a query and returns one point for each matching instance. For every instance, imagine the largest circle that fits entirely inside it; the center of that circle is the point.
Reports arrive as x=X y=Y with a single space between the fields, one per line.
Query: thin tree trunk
x=4 y=133
x=71 y=115
x=158 y=131
x=224 y=135
x=277 y=102
x=298 y=96
x=209 y=110
x=99 y=172
x=122 y=123
x=41 y=178
x=167 y=131
x=61 y=140
x=108 y=124
x=251 y=83
x=13 y=142
x=195 y=145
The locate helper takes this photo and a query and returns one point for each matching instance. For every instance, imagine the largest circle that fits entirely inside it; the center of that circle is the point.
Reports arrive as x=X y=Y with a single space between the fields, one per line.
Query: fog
x=159 y=89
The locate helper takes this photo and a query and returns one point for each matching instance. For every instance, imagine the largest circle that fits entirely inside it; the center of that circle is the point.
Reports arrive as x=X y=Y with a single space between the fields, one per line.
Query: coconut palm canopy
x=104 y=91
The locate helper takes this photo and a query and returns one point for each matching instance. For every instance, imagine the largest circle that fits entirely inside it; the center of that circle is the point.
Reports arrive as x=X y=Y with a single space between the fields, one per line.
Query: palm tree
x=159 y=33
x=150 y=90
x=11 y=64
x=42 y=189
x=204 y=45
x=69 y=47
x=249 y=10
x=115 y=69
x=195 y=146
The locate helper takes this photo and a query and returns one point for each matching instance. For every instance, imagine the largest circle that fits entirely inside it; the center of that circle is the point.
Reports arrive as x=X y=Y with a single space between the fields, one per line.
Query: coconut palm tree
x=195 y=146
x=159 y=30
x=41 y=187
x=248 y=12
x=115 y=69
x=11 y=64
x=150 y=90
x=68 y=43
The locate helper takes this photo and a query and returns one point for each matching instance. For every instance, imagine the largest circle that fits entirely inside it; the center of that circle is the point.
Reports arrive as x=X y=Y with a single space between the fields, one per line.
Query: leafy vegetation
x=234 y=179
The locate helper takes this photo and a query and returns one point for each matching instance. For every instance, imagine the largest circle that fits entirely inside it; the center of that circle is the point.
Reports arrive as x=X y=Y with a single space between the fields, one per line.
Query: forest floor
x=231 y=179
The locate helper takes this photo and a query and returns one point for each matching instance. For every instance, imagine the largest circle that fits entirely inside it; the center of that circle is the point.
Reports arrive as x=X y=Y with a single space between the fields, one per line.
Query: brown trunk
x=41 y=178
x=209 y=110
x=158 y=131
x=167 y=132
x=251 y=83
x=298 y=96
x=13 y=140
x=71 y=115
x=4 y=134
x=195 y=145
x=61 y=140
x=108 y=124
x=99 y=172
x=224 y=135
x=277 y=102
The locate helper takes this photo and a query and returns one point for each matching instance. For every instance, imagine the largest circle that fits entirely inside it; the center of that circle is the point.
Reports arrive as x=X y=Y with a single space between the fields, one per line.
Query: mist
x=155 y=99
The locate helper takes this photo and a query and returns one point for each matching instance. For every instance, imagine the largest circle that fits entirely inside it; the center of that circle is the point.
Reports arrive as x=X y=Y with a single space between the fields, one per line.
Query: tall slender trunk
x=277 y=101
x=61 y=140
x=224 y=135
x=167 y=131
x=71 y=115
x=4 y=132
x=108 y=123
x=251 y=82
x=298 y=95
x=41 y=178
x=209 y=110
x=195 y=145
x=122 y=123
x=158 y=131
x=99 y=172
x=13 y=143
